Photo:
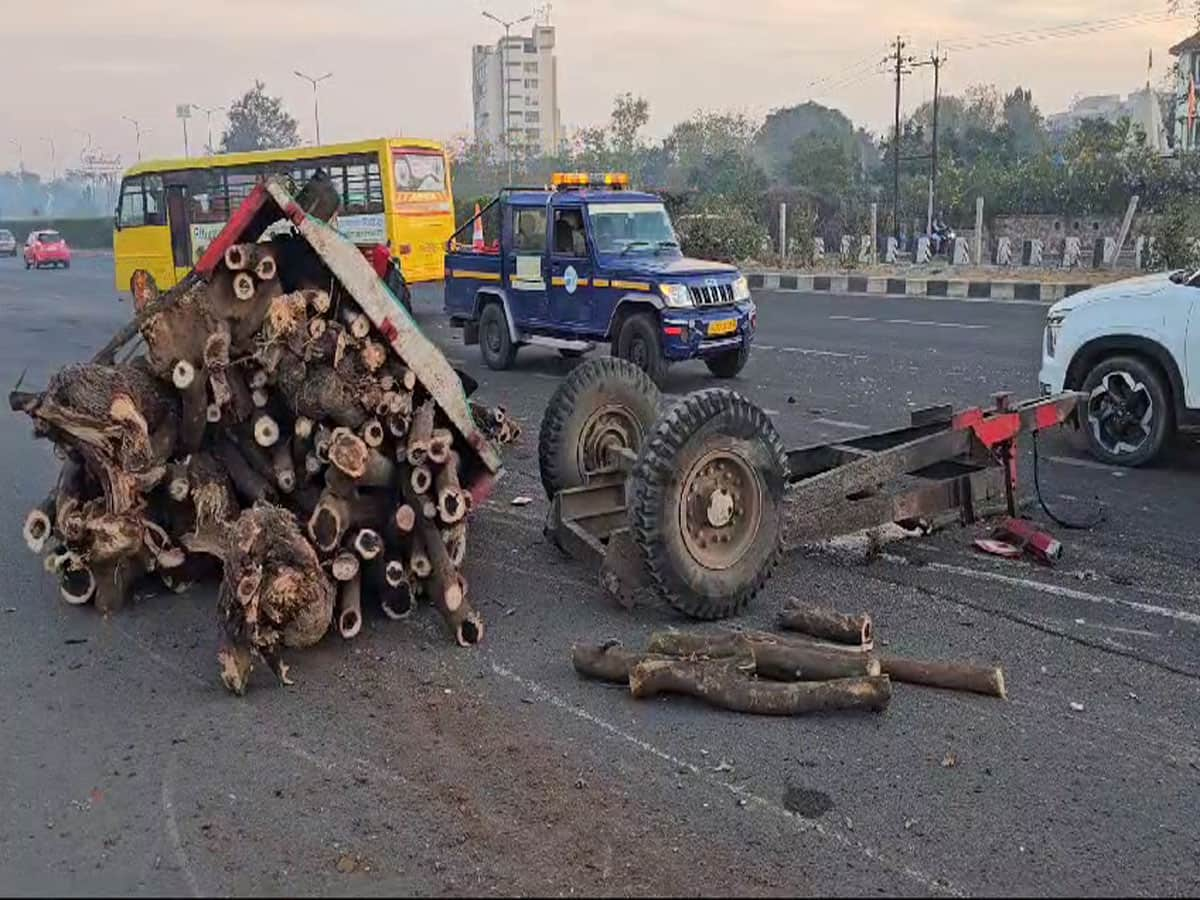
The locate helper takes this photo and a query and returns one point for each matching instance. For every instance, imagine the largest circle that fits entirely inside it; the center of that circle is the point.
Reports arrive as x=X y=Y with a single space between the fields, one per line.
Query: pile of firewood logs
x=265 y=426
x=830 y=664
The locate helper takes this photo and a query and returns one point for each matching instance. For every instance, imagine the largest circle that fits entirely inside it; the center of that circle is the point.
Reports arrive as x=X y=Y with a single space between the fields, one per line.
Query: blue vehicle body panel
x=582 y=294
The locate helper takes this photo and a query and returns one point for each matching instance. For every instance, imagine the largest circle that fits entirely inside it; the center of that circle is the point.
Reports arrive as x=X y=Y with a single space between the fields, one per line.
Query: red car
x=46 y=248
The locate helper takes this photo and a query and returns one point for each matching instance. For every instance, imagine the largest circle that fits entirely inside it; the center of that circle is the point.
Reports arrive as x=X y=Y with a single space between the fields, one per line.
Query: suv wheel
x=729 y=363
x=638 y=342
x=495 y=343
x=1128 y=416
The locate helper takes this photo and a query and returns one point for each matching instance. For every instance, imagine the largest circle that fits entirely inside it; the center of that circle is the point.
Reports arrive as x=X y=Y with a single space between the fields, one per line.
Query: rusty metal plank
x=403 y=334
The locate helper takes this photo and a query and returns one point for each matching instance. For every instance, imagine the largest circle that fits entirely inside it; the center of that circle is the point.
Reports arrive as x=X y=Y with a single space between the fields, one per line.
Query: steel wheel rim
x=492 y=336
x=1121 y=413
x=720 y=508
x=609 y=428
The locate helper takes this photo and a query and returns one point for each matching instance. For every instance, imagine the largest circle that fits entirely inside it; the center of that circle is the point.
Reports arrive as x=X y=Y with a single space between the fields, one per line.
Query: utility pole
x=208 y=112
x=507 y=26
x=316 y=109
x=137 y=134
x=900 y=61
x=53 y=159
x=20 y=155
x=936 y=59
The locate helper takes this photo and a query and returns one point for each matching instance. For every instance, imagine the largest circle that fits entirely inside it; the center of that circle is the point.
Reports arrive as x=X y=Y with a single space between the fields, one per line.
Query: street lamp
x=208 y=112
x=507 y=26
x=53 y=159
x=20 y=155
x=137 y=133
x=316 y=110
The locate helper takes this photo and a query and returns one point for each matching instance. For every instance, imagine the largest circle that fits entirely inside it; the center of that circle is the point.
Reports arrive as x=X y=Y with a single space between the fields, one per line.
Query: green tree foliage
x=629 y=116
x=258 y=121
x=775 y=140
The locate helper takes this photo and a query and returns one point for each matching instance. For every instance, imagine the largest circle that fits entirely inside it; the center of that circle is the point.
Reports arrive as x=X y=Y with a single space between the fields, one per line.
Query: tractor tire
x=495 y=343
x=729 y=363
x=707 y=507
x=604 y=402
x=638 y=342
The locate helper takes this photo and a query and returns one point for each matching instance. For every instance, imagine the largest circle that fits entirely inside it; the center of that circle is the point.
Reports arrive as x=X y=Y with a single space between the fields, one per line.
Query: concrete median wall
x=80 y=234
x=891 y=286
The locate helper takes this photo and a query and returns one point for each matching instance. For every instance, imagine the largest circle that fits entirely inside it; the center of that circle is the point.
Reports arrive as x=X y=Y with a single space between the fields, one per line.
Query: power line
x=1067 y=30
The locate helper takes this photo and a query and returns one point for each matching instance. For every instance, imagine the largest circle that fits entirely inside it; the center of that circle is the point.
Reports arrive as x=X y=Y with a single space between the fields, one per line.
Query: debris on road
x=1041 y=545
x=774 y=674
x=281 y=423
x=829 y=624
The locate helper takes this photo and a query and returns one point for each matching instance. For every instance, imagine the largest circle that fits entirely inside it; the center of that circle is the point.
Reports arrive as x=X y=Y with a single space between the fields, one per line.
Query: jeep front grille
x=711 y=294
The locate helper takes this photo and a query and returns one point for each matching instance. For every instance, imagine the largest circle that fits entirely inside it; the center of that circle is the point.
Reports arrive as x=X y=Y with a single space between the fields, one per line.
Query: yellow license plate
x=725 y=326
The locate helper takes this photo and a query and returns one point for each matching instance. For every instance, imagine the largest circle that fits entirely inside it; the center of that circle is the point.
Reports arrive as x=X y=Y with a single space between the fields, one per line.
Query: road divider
x=901 y=286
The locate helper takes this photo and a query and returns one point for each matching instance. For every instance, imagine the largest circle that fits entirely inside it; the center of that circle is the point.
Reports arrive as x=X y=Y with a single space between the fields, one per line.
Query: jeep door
x=526 y=264
x=571 y=269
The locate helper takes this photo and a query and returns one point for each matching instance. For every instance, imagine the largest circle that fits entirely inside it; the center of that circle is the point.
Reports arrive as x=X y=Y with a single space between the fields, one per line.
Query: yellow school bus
x=394 y=190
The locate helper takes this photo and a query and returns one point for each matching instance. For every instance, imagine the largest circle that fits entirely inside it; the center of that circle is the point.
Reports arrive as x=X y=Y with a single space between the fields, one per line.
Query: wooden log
x=265 y=268
x=329 y=521
x=373 y=434
x=447 y=588
x=193 y=418
x=285 y=467
x=724 y=683
x=387 y=383
x=258 y=379
x=404 y=377
x=421 y=479
x=954 y=676
x=212 y=413
x=183 y=373
x=317 y=299
x=826 y=623
x=345 y=566
x=249 y=484
x=368 y=543
x=39 y=523
x=244 y=286
x=241 y=398
x=405 y=518
x=317 y=328
x=774 y=660
x=76 y=581
x=396 y=596
x=238 y=257
x=302 y=427
x=609 y=661
x=115 y=581
x=266 y=429
x=420 y=431
x=398 y=426
x=440 y=444
x=260 y=398
x=373 y=354
x=349 y=616
x=418 y=559
x=323 y=396
x=451 y=500
x=357 y=324
x=455 y=538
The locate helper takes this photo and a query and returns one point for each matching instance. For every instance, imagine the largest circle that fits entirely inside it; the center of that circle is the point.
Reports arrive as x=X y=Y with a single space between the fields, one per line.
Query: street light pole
x=316 y=109
x=53 y=159
x=20 y=155
x=137 y=134
x=507 y=26
x=208 y=112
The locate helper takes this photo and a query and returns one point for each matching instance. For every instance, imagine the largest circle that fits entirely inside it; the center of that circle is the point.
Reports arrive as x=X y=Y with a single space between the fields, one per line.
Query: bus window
x=206 y=196
x=364 y=188
x=240 y=182
x=142 y=202
x=418 y=172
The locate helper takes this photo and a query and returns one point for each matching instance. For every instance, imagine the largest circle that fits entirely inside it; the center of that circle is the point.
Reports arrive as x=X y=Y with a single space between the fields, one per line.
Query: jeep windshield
x=631 y=227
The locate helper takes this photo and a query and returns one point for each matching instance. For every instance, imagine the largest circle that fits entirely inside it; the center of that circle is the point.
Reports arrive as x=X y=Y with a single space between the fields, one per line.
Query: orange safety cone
x=477 y=234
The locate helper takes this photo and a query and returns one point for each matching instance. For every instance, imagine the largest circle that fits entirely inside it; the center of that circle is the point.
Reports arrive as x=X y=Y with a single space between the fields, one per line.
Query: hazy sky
x=403 y=66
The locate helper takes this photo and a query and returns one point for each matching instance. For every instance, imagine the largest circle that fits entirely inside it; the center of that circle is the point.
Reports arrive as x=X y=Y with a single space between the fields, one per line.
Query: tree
x=258 y=121
x=630 y=114
x=823 y=165
x=1023 y=128
x=777 y=137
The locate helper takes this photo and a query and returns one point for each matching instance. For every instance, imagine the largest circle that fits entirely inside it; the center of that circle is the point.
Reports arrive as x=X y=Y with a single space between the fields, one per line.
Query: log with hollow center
x=349 y=617
x=826 y=623
x=420 y=431
x=955 y=676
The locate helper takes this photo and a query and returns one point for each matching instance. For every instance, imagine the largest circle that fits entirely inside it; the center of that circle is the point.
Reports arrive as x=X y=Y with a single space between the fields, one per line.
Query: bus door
x=180 y=226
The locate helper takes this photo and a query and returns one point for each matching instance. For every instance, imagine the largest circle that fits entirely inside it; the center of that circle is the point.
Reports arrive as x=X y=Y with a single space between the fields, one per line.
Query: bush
x=718 y=232
x=1174 y=236
x=82 y=234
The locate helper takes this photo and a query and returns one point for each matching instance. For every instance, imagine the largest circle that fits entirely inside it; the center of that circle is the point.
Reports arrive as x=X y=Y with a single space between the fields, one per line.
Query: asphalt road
x=399 y=764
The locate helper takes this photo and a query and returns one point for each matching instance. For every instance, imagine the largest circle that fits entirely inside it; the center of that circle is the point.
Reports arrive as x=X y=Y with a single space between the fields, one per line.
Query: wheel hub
x=610 y=428
x=1120 y=413
x=720 y=509
x=492 y=336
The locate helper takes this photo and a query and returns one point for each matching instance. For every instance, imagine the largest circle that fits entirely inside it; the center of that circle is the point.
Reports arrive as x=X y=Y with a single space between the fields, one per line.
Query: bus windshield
x=631 y=227
x=419 y=172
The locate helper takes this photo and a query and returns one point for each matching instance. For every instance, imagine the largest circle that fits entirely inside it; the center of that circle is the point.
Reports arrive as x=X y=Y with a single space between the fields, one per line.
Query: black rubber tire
x=571 y=354
x=502 y=355
x=1162 y=423
x=702 y=421
x=638 y=342
x=729 y=363
x=66 y=265
x=588 y=388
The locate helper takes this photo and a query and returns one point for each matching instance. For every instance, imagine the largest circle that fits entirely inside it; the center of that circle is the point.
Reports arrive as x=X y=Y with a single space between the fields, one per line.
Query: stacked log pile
x=267 y=428
x=830 y=665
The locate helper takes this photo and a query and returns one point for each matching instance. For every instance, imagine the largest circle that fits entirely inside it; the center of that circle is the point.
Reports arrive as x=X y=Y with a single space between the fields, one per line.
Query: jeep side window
x=529 y=230
x=568 y=233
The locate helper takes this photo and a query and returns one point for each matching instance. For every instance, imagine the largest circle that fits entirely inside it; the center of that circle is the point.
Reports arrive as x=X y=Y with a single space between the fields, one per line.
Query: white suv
x=1134 y=348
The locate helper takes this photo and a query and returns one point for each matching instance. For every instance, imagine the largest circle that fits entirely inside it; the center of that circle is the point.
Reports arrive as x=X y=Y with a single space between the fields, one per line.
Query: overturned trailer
x=278 y=414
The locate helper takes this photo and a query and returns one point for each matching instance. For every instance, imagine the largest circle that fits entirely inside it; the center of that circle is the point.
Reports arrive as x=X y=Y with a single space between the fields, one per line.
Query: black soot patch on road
x=806 y=803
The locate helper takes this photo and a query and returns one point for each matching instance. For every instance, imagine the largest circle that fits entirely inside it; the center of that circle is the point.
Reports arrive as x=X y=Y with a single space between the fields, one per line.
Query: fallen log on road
x=826 y=623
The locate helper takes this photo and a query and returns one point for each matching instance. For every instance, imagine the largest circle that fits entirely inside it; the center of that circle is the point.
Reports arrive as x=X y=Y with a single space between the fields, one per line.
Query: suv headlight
x=675 y=294
x=741 y=289
x=1054 y=324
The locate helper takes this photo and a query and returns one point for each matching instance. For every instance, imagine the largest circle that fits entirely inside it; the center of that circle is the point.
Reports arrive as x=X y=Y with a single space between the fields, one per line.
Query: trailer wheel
x=707 y=509
x=604 y=403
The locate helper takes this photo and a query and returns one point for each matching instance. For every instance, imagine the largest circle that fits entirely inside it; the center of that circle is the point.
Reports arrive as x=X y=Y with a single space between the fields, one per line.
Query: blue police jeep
x=588 y=261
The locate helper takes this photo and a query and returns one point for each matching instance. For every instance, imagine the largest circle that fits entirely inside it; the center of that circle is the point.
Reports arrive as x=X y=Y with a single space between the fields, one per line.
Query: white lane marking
x=173 y=838
x=840 y=423
x=938 y=885
x=853 y=319
x=833 y=354
x=1135 y=632
x=758 y=346
x=1166 y=612
x=930 y=324
x=1081 y=463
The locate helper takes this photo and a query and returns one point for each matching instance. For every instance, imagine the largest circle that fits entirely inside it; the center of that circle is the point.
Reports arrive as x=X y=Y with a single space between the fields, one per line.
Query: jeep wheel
x=1129 y=415
x=729 y=363
x=638 y=342
x=604 y=404
x=707 y=509
x=495 y=343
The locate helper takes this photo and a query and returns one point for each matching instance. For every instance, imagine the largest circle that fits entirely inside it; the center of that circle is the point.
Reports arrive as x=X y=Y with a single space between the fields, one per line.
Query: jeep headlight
x=1054 y=324
x=675 y=294
x=741 y=289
